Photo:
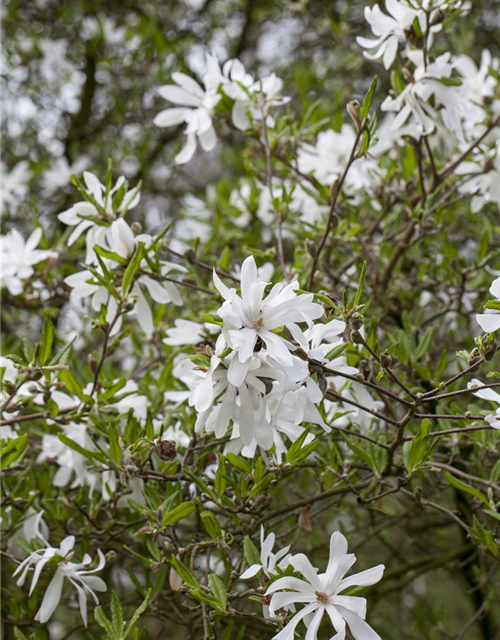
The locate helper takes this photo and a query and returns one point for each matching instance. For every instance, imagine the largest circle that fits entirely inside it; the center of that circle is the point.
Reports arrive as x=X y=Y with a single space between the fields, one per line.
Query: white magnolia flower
x=327 y=159
x=389 y=30
x=483 y=185
x=250 y=317
x=14 y=182
x=253 y=98
x=490 y=322
x=185 y=332
x=77 y=573
x=82 y=215
x=58 y=175
x=268 y=560
x=196 y=107
x=121 y=240
x=320 y=593
x=18 y=256
x=492 y=396
x=426 y=83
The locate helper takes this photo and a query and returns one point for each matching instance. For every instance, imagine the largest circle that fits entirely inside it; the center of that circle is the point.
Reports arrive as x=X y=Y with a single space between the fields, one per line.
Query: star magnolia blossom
x=490 y=322
x=389 y=30
x=77 y=573
x=80 y=214
x=321 y=594
x=252 y=97
x=327 y=159
x=18 y=256
x=492 y=396
x=425 y=84
x=196 y=107
x=121 y=240
x=250 y=317
x=14 y=182
x=268 y=560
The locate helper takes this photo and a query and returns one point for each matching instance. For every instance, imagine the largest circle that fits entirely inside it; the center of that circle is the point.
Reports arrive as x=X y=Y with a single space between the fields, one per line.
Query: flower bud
x=355 y=337
x=353 y=111
x=93 y=364
x=166 y=450
x=385 y=360
x=136 y=228
x=490 y=351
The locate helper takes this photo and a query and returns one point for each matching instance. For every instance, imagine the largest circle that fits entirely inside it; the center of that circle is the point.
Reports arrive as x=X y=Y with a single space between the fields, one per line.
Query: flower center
x=321 y=596
x=259 y=323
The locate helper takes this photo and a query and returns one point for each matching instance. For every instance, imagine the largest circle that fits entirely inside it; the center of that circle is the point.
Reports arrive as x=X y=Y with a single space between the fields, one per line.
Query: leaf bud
x=93 y=364
x=355 y=337
x=353 y=111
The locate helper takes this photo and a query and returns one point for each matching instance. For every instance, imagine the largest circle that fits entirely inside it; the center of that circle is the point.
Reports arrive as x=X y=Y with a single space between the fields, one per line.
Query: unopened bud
x=490 y=352
x=437 y=17
x=166 y=450
x=311 y=248
x=355 y=337
x=93 y=364
x=385 y=360
x=190 y=255
x=353 y=111
x=356 y=323
x=174 y=580
x=136 y=228
x=146 y=530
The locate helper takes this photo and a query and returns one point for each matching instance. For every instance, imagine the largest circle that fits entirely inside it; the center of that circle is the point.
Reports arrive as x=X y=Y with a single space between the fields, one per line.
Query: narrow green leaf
x=47 y=339
x=133 y=268
x=368 y=99
x=463 y=486
x=218 y=588
x=182 y=511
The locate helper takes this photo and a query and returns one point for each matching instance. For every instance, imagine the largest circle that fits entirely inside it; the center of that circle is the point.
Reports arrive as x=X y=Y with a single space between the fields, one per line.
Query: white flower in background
x=72 y=469
x=482 y=178
x=78 y=574
x=253 y=98
x=492 y=396
x=81 y=215
x=252 y=317
x=478 y=86
x=121 y=240
x=321 y=594
x=176 y=434
x=129 y=398
x=414 y=100
x=390 y=30
x=14 y=182
x=353 y=415
x=18 y=256
x=194 y=221
x=490 y=322
x=327 y=159
x=185 y=332
x=196 y=107
x=269 y=561
x=58 y=175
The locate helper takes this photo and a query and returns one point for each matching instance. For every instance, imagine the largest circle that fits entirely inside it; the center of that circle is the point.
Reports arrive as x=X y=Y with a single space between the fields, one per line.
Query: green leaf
x=184 y=572
x=483 y=536
x=359 y=292
x=73 y=386
x=90 y=455
x=415 y=450
x=63 y=356
x=117 y=614
x=250 y=552
x=182 y=511
x=211 y=524
x=463 y=486
x=200 y=595
x=482 y=250
x=47 y=339
x=133 y=268
x=103 y=622
x=111 y=255
x=138 y=612
x=238 y=462
x=13 y=450
x=368 y=99
x=336 y=351
x=19 y=635
x=218 y=588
